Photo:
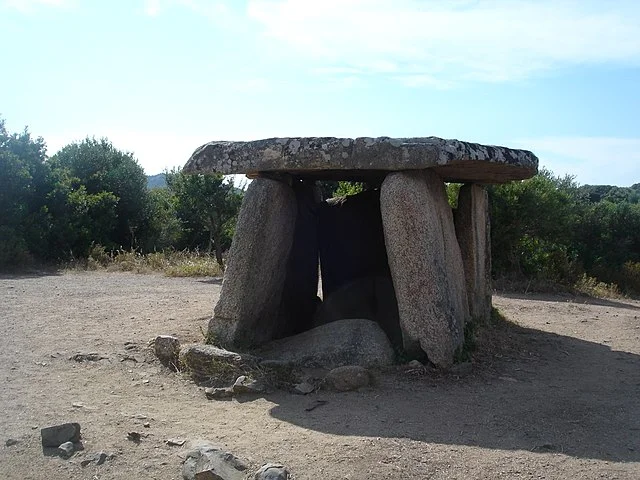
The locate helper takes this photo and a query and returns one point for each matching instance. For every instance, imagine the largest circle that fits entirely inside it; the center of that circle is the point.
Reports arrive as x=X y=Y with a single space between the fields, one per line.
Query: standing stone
x=247 y=311
x=426 y=265
x=474 y=238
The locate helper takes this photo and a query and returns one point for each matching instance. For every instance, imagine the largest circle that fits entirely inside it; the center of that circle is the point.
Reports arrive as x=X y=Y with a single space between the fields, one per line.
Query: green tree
x=24 y=183
x=533 y=227
x=106 y=194
x=206 y=204
x=165 y=229
x=79 y=218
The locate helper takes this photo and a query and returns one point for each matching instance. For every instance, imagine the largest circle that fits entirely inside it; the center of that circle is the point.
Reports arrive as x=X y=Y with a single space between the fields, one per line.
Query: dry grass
x=585 y=285
x=171 y=263
x=594 y=288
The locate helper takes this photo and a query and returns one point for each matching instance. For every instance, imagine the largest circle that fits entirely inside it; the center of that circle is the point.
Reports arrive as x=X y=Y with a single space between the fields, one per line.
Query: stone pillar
x=247 y=312
x=426 y=265
x=474 y=237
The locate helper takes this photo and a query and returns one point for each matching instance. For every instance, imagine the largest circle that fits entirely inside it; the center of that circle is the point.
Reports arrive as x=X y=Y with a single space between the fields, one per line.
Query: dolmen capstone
x=395 y=254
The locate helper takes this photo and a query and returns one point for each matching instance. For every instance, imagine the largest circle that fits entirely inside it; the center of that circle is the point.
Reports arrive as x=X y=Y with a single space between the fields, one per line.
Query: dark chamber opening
x=345 y=235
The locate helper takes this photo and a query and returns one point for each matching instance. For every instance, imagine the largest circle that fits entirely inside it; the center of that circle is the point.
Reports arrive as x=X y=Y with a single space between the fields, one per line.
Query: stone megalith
x=474 y=237
x=251 y=294
x=426 y=264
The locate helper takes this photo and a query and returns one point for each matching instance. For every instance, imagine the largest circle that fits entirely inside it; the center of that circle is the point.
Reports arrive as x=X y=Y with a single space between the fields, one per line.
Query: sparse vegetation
x=172 y=263
x=590 y=286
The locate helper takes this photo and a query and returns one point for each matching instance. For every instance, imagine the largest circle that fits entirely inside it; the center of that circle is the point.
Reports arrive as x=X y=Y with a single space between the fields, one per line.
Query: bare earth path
x=563 y=402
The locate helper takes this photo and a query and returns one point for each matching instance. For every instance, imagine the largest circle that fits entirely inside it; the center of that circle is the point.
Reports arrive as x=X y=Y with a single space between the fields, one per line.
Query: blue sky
x=161 y=77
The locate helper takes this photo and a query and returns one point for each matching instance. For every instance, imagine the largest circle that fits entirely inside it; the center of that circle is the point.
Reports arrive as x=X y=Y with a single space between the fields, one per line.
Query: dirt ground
x=560 y=401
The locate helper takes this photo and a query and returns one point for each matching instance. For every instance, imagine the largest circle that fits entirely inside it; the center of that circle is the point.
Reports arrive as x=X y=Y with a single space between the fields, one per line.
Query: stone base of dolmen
x=396 y=255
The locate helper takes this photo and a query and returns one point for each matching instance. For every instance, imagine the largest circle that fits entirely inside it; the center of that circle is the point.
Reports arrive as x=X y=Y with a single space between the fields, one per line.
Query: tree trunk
x=218 y=246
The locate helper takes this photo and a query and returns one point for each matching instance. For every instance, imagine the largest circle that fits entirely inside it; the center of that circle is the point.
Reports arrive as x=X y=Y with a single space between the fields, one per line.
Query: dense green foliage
x=24 y=183
x=207 y=206
x=99 y=196
x=550 y=228
x=92 y=197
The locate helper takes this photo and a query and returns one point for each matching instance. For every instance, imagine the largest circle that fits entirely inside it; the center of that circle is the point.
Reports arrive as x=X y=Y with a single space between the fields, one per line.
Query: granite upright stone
x=248 y=309
x=474 y=237
x=426 y=265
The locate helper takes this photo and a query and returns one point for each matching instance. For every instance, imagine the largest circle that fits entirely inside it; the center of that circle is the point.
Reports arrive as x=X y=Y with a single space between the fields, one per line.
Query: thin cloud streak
x=491 y=41
x=592 y=160
x=30 y=6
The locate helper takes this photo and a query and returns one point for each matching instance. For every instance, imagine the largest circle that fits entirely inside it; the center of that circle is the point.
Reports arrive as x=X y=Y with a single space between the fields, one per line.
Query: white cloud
x=30 y=6
x=434 y=42
x=212 y=9
x=592 y=160
x=152 y=7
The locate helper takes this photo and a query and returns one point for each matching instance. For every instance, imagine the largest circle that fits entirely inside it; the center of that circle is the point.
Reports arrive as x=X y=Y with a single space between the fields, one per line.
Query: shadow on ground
x=34 y=274
x=557 y=394
x=577 y=299
x=212 y=281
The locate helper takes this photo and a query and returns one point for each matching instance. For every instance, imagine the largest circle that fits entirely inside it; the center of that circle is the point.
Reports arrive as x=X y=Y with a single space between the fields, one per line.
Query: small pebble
x=66 y=449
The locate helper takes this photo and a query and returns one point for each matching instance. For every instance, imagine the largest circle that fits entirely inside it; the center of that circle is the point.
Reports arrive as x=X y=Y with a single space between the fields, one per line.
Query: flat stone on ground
x=221 y=366
x=210 y=462
x=343 y=342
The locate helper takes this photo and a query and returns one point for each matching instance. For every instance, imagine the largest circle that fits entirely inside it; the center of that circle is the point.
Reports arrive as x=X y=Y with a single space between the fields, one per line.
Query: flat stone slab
x=336 y=344
x=346 y=158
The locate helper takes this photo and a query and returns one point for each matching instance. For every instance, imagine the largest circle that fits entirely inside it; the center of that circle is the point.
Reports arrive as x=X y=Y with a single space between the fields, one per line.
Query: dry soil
x=555 y=396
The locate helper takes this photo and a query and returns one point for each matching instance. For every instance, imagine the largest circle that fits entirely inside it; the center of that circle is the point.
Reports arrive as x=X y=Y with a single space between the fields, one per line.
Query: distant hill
x=156 y=181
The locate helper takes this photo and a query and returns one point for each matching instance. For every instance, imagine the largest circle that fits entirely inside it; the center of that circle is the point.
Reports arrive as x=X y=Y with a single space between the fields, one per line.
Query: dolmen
x=396 y=254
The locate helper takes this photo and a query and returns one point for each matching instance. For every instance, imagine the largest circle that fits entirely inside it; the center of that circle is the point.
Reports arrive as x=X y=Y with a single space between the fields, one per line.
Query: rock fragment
x=218 y=365
x=208 y=462
x=58 y=434
x=167 y=348
x=350 y=377
x=98 y=458
x=218 y=393
x=304 y=388
x=176 y=442
x=66 y=449
x=272 y=471
x=245 y=384
x=88 y=357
